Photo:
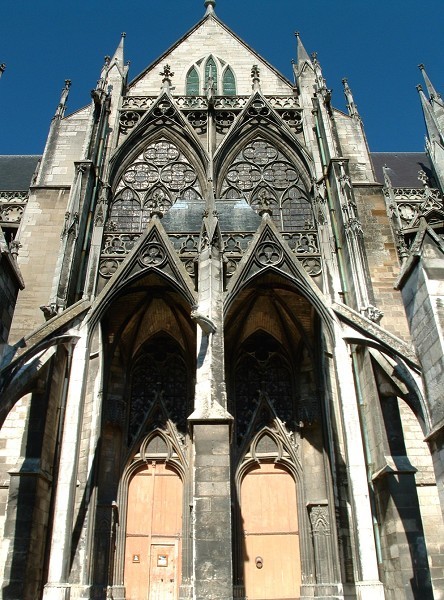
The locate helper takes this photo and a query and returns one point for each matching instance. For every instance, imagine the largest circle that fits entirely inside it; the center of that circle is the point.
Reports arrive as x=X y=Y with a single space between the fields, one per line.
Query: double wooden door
x=271 y=554
x=153 y=534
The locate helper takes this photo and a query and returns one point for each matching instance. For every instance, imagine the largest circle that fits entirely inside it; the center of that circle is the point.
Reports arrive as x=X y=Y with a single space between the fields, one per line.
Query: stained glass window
x=229 y=83
x=192 y=82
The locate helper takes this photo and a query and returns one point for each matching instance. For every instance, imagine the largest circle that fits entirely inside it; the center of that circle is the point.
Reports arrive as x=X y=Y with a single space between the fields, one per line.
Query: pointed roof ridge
x=214 y=17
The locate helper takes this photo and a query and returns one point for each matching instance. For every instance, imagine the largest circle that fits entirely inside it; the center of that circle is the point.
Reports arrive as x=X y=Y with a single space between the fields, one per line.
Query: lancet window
x=229 y=83
x=192 y=88
x=221 y=74
x=263 y=175
x=211 y=71
x=153 y=182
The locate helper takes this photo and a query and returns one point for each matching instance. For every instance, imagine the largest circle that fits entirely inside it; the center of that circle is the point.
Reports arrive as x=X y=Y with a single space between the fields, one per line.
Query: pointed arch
x=211 y=71
x=258 y=118
x=228 y=82
x=192 y=87
x=162 y=120
x=161 y=171
x=263 y=173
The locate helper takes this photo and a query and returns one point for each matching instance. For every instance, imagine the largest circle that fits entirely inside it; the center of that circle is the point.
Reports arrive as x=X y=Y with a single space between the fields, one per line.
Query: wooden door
x=163 y=572
x=271 y=554
x=153 y=534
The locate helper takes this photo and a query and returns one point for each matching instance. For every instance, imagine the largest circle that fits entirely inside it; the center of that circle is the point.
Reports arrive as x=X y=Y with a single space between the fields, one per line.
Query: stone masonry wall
x=211 y=34
x=65 y=146
x=382 y=258
x=40 y=232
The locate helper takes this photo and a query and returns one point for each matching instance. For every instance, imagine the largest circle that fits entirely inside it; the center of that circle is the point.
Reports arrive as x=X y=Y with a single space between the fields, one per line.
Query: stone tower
x=223 y=400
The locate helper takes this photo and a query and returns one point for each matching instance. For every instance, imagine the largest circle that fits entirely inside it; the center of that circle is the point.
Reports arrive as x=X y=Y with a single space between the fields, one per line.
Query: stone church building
x=222 y=341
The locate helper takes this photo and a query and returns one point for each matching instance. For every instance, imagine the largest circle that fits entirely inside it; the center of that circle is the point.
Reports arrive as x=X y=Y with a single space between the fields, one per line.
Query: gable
x=210 y=38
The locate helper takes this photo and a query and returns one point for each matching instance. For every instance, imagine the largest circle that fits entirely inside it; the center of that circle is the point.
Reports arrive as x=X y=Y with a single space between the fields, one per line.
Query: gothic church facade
x=223 y=377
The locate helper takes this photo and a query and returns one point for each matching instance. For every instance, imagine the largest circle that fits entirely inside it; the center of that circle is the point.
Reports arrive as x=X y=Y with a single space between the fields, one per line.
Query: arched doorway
x=271 y=551
x=153 y=533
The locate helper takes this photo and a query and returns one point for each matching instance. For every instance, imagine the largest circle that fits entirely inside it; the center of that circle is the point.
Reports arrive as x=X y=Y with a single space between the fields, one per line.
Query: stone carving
x=137 y=102
x=373 y=313
x=255 y=77
x=258 y=108
x=128 y=120
x=198 y=120
x=376 y=332
x=21 y=197
x=406 y=206
x=269 y=253
x=293 y=118
x=320 y=521
x=12 y=205
x=224 y=119
x=144 y=103
x=11 y=213
x=152 y=255
x=119 y=243
x=108 y=267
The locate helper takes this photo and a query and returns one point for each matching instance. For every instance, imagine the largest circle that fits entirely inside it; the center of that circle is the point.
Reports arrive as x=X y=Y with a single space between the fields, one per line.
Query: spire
x=433 y=132
x=302 y=54
x=118 y=54
x=210 y=6
x=351 y=106
x=433 y=94
x=63 y=99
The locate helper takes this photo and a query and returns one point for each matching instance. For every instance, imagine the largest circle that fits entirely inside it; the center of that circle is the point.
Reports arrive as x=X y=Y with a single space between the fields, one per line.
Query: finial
x=123 y=34
x=320 y=81
x=351 y=106
x=2 y=69
x=419 y=87
x=433 y=94
x=63 y=98
x=210 y=6
x=167 y=74
x=255 y=77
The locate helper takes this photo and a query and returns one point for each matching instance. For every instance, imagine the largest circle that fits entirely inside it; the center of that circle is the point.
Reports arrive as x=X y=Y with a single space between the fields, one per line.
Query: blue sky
x=376 y=44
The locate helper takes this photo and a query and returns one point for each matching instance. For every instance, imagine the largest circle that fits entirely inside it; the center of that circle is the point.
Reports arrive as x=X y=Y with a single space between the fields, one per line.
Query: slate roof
x=403 y=168
x=16 y=172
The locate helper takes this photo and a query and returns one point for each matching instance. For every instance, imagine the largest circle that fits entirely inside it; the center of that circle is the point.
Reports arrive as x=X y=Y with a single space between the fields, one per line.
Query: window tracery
x=159 y=375
x=263 y=369
x=157 y=177
x=263 y=175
